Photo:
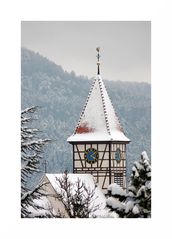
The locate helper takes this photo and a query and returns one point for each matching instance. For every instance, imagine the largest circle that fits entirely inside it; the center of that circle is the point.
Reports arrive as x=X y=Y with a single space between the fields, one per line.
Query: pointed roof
x=98 y=120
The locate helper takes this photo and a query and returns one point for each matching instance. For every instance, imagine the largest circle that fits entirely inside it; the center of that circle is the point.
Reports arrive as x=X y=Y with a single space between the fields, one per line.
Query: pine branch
x=31 y=154
x=32 y=109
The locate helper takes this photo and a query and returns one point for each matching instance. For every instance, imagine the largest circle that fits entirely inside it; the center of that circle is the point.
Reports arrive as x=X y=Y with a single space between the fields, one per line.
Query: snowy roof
x=98 y=120
x=88 y=180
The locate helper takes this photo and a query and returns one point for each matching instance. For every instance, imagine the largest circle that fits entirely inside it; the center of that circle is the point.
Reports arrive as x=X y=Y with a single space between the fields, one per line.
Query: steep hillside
x=62 y=95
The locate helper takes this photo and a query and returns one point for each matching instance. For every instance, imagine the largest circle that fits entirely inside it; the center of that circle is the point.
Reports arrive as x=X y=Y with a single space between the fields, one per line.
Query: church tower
x=99 y=143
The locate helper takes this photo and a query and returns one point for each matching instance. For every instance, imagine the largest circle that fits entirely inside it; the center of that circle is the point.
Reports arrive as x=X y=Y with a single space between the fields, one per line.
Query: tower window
x=118 y=178
x=118 y=155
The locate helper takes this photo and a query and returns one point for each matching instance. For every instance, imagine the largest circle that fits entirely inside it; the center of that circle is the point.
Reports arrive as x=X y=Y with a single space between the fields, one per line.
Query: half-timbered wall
x=106 y=169
x=119 y=167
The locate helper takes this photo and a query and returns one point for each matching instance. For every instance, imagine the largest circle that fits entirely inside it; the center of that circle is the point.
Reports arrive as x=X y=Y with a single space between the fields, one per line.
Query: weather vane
x=98 y=62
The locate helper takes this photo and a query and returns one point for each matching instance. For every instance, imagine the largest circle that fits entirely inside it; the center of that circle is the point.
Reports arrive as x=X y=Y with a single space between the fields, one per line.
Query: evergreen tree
x=31 y=154
x=116 y=199
x=139 y=190
x=137 y=201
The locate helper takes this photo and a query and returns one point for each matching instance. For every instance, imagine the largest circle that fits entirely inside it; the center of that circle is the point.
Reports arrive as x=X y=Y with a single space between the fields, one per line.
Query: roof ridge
x=104 y=106
x=115 y=114
x=82 y=112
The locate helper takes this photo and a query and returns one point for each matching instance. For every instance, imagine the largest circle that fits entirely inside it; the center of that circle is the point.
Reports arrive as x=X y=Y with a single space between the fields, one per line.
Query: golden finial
x=98 y=62
x=98 y=49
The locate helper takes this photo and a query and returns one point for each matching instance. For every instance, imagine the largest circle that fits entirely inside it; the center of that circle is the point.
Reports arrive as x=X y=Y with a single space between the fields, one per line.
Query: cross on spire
x=98 y=62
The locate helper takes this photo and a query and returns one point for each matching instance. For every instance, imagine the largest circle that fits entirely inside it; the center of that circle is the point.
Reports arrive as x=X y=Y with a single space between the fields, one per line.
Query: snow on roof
x=98 y=120
x=88 y=180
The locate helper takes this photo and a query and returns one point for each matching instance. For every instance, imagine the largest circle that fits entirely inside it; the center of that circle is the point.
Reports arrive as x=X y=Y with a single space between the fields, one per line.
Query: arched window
x=118 y=155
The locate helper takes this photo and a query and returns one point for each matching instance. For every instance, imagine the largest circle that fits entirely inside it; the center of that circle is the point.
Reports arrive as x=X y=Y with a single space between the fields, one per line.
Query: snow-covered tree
x=77 y=198
x=139 y=191
x=137 y=201
x=31 y=154
x=116 y=199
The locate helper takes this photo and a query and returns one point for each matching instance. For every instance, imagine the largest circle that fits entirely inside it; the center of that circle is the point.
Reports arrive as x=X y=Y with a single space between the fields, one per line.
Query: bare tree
x=78 y=199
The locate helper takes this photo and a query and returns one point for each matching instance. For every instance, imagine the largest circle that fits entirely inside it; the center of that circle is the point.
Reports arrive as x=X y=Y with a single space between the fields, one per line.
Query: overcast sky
x=125 y=47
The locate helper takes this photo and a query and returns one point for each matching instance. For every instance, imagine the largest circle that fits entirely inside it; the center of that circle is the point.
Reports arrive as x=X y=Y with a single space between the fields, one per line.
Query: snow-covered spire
x=98 y=120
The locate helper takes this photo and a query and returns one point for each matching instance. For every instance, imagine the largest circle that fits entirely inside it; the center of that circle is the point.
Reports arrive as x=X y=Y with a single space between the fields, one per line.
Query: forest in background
x=61 y=96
